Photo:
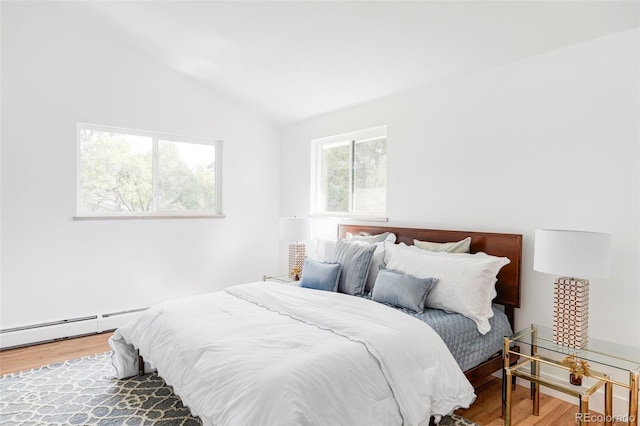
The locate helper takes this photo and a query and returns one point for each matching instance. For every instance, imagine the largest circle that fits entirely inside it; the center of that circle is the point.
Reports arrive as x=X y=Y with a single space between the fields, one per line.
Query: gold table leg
x=608 y=403
x=507 y=408
x=584 y=408
x=506 y=363
x=535 y=370
x=633 y=398
x=536 y=388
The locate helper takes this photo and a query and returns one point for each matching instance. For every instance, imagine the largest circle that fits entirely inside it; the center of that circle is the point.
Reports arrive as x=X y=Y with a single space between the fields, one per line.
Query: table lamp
x=294 y=230
x=572 y=254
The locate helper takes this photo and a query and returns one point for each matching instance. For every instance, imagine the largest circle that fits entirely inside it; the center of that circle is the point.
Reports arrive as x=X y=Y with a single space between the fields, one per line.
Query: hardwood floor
x=486 y=411
x=19 y=359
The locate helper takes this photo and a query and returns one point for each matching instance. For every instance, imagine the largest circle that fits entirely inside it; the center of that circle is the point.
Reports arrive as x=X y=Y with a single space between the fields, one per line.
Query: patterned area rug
x=85 y=392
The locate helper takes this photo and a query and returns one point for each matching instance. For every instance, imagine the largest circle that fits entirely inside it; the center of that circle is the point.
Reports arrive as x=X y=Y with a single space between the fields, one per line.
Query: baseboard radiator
x=57 y=330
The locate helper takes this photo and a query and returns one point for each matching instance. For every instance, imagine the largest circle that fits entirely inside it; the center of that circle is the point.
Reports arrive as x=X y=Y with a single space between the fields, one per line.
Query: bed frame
x=508 y=285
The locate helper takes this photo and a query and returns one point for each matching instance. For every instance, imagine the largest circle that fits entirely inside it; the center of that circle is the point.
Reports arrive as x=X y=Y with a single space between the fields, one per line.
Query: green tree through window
x=115 y=172
x=118 y=174
x=186 y=185
x=351 y=174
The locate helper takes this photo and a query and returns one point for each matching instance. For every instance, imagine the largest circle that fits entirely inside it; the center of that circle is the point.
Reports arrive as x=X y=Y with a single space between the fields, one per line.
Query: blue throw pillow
x=320 y=275
x=398 y=289
x=355 y=259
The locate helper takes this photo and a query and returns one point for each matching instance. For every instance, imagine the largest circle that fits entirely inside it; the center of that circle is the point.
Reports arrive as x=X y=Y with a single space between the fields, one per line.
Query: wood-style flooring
x=19 y=359
x=486 y=410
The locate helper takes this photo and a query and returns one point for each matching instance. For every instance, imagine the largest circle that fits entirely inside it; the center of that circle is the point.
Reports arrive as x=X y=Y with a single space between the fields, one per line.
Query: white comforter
x=269 y=354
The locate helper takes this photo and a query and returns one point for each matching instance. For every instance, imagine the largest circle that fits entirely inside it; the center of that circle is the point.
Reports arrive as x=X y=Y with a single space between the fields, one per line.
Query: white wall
x=547 y=142
x=58 y=68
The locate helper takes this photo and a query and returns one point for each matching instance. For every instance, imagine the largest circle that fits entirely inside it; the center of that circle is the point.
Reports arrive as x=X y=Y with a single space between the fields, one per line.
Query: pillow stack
x=359 y=258
x=380 y=241
x=426 y=275
x=466 y=282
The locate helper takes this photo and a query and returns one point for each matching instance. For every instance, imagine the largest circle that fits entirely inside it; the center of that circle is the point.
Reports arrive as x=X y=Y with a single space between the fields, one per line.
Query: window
x=349 y=174
x=132 y=173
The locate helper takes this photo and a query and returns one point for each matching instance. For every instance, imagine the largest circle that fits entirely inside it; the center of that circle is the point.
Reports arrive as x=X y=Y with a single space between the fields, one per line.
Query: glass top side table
x=599 y=351
x=625 y=358
x=282 y=279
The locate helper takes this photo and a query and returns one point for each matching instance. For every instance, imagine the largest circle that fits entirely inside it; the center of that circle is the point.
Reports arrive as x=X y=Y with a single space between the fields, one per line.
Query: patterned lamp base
x=571 y=312
x=296 y=257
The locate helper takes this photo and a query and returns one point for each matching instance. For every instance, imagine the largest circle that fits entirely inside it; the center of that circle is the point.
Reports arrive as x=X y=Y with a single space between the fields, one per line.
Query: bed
x=497 y=244
x=264 y=353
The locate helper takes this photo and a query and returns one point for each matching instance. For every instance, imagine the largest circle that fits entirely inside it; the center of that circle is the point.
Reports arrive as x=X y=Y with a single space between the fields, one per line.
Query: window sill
x=346 y=216
x=149 y=216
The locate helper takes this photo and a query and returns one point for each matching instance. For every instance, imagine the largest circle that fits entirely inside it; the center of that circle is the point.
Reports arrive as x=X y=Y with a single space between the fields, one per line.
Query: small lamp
x=293 y=230
x=572 y=254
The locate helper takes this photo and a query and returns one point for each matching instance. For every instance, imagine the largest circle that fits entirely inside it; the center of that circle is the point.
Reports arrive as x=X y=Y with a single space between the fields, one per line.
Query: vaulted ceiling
x=293 y=60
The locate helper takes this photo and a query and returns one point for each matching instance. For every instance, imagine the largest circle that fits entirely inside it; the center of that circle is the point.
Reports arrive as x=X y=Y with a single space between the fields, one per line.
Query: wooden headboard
x=504 y=245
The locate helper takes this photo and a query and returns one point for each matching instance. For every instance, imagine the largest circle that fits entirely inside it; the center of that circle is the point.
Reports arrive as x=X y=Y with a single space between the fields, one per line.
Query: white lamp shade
x=576 y=254
x=294 y=229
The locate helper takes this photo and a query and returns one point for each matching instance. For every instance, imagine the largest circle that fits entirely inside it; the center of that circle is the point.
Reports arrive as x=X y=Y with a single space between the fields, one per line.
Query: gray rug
x=85 y=392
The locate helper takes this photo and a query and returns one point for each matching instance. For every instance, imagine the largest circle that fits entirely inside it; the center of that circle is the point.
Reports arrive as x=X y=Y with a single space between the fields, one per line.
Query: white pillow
x=466 y=282
x=325 y=250
x=391 y=249
x=378 y=238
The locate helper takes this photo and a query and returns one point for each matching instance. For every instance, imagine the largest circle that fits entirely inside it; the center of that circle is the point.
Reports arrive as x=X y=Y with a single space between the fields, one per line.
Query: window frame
x=316 y=167
x=216 y=212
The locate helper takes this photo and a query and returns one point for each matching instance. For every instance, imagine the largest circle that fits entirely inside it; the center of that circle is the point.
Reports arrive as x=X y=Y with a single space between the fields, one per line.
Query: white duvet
x=269 y=354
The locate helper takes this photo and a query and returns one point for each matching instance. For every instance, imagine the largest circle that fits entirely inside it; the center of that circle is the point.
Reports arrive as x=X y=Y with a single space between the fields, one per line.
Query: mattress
x=460 y=334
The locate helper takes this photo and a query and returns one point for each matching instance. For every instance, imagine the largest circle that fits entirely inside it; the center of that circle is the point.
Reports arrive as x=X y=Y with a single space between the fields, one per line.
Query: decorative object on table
x=85 y=392
x=572 y=254
x=295 y=272
x=294 y=230
x=577 y=368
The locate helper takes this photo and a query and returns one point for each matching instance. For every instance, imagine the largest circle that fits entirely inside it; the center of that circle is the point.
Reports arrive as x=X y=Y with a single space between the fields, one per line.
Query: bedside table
x=281 y=279
x=600 y=352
